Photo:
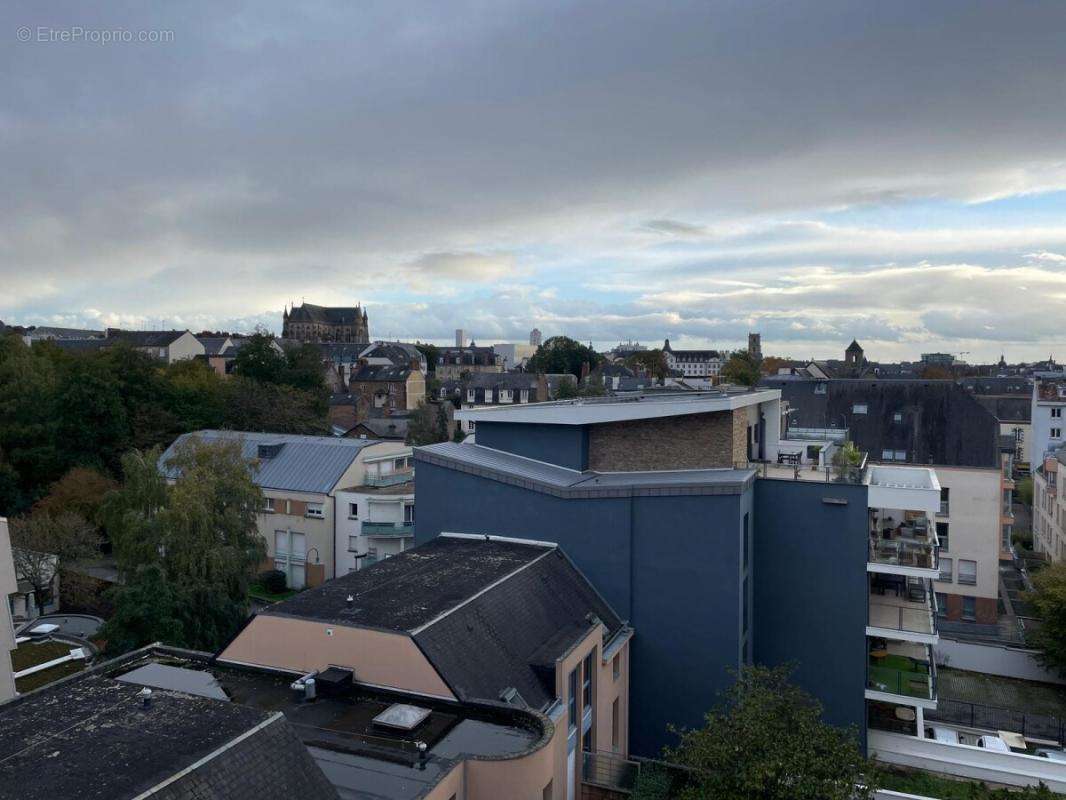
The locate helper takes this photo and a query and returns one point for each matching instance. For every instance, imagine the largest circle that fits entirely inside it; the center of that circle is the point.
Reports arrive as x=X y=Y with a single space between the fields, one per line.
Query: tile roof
x=301 y=464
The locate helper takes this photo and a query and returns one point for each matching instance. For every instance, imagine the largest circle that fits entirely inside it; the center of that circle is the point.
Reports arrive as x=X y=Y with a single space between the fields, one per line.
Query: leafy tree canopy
x=766 y=741
x=1049 y=601
x=561 y=354
x=652 y=362
x=428 y=425
x=42 y=543
x=743 y=369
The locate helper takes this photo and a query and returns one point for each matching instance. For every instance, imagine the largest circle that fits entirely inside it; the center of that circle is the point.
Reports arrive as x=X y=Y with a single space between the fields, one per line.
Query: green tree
x=195 y=396
x=81 y=490
x=424 y=426
x=431 y=352
x=42 y=543
x=653 y=362
x=199 y=534
x=766 y=741
x=743 y=369
x=561 y=354
x=1049 y=601
x=304 y=369
x=845 y=460
x=93 y=425
x=147 y=608
x=252 y=405
x=260 y=360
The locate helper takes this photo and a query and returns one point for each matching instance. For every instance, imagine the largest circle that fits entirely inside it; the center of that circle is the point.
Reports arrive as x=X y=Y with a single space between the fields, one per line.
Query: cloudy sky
x=894 y=172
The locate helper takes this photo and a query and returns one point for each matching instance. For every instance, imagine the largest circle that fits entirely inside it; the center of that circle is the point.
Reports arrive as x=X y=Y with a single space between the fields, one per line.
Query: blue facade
x=667 y=564
x=811 y=590
x=674 y=565
x=564 y=445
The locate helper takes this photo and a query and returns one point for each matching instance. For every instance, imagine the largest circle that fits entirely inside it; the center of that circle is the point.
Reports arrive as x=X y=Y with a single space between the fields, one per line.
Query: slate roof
x=302 y=464
x=942 y=422
x=213 y=345
x=1005 y=385
x=145 y=338
x=1008 y=409
x=400 y=353
x=80 y=345
x=91 y=738
x=394 y=427
x=327 y=315
x=480 y=609
x=380 y=373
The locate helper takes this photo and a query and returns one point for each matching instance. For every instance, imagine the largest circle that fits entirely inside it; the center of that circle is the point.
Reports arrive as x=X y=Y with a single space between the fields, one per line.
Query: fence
x=975 y=715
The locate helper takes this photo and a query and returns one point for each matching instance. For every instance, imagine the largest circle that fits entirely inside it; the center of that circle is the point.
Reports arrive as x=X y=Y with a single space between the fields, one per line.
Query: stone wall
x=694 y=441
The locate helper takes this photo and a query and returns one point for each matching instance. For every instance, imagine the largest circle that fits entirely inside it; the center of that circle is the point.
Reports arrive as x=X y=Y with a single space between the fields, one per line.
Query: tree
x=743 y=369
x=304 y=369
x=259 y=359
x=432 y=353
x=1049 y=601
x=252 y=405
x=653 y=362
x=563 y=355
x=200 y=534
x=80 y=490
x=771 y=364
x=42 y=543
x=846 y=459
x=147 y=609
x=766 y=741
x=425 y=425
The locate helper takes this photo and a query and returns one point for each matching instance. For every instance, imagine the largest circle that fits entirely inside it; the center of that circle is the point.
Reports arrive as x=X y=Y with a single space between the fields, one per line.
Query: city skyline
x=816 y=172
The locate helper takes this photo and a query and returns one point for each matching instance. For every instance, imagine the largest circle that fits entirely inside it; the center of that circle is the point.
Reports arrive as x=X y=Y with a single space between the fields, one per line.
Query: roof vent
x=349 y=600
x=268 y=451
x=145 y=696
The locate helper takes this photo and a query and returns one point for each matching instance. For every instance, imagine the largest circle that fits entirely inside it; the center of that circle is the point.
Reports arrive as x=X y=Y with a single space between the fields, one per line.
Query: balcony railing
x=903 y=552
x=903 y=676
x=899 y=613
x=389 y=530
x=390 y=479
x=609 y=770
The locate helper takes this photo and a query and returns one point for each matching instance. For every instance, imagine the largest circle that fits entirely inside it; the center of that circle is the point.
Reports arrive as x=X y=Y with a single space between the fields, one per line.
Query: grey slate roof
x=328 y=315
x=302 y=464
x=145 y=338
x=91 y=738
x=482 y=610
x=380 y=373
x=213 y=344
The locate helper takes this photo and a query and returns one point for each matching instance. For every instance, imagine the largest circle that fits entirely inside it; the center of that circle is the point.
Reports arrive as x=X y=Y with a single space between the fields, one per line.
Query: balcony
x=390 y=479
x=909 y=548
x=902 y=608
x=609 y=771
x=901 y=670
x=389 y=530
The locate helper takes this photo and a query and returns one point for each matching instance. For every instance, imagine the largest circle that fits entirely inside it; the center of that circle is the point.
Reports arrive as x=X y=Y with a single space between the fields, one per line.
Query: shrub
x=273 y=580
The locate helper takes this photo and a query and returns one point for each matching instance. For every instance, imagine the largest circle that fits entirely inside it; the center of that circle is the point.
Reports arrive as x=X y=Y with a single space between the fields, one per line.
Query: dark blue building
x=656 y=502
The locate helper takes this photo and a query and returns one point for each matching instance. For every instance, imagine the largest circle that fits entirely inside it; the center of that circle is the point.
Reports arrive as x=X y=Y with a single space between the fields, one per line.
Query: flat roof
x=594 y=410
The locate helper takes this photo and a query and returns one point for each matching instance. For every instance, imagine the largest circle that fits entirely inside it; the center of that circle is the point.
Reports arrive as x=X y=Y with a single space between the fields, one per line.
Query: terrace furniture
x=906 y=714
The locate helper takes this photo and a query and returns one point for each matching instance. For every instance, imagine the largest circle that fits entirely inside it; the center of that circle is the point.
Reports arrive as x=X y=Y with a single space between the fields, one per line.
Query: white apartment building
x=375 y=520
x=694 y=363
x=1049 y=507
x=1048 y=414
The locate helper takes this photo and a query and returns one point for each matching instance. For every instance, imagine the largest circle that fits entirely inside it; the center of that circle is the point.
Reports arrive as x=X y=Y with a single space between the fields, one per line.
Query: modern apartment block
x=376 y=520
x=300 y=477
x=936 y=424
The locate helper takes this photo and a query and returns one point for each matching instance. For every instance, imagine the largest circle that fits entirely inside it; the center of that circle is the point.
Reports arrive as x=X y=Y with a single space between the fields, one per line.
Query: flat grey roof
x=511 y=468
x=592 y=410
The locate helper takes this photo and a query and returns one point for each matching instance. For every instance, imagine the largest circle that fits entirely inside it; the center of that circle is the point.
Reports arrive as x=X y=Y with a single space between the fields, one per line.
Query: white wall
x=184 y=347
x=973 y=528
x=372 y=507
x=1042 y=423
x=995 y=659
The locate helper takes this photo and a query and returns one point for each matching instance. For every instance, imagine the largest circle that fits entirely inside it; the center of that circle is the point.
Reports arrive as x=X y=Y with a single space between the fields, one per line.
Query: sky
x=817 y=172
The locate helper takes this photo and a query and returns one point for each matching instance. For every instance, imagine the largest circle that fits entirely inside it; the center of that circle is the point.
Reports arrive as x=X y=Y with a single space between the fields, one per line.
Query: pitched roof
x=941 y=422
x=480 y=609
x=146 y=338
x=290 y=462
x=327 y=315
x=214 y=345
x=381 y=373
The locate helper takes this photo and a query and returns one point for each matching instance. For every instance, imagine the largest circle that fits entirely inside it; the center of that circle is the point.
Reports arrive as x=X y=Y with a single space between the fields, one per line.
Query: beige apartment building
x=469 y=619
x=299 y=477
x=1049 y=508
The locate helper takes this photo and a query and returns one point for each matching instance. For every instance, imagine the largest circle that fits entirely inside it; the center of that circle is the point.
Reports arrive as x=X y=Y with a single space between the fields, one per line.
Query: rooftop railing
x=390 y=479
x=389 y=530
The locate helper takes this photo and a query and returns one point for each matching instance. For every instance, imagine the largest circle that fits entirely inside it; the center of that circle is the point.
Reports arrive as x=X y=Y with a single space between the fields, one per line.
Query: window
x=505 y=396
x=470 y=395
x=969 y=608
x=268 y=505
x=967 y=572
x=1056 y=413
x=290 y=557
x=315 y=510
x=744 y=542
x=893 y=455
x=744 y=606
x=353 y=511
x=946 y=565
x=859 y=408
x=586 y=741
x=819 y=388
x=523 y=396
x=488 y=395
x=1005 y=537
x=353 y=544
x=571 y=701
x=615 y=725
x=945 y=501
x=942 y=535
x=547 y=793
x=616 y=666
x=941 y=604
x=897 y=417
x=1056 y=433
x=586 y=686
x=371 y=556
x=408 y=513
x=401 y=464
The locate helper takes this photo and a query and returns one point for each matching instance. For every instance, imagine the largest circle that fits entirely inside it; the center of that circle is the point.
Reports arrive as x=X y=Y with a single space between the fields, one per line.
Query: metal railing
x=912 y=620
x=905 y=553
x=976 y=715
x=391 y=479
x=919 y=681
x=609 y=770
x=389 y=529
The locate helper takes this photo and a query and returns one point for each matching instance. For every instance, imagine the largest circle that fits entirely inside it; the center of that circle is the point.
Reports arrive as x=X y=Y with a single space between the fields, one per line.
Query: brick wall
x=693 y=441
x=985 y=609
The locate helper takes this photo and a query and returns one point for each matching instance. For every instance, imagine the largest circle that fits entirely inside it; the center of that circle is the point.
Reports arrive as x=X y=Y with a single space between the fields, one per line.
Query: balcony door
x=290 y=557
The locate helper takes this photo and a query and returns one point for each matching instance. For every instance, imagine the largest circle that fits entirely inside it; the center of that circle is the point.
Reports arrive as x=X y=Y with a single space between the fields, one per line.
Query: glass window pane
x=281 y=543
